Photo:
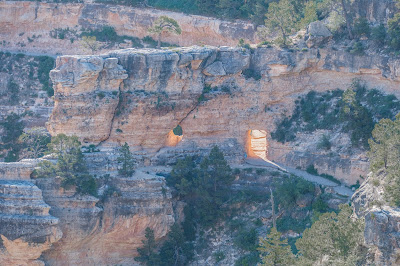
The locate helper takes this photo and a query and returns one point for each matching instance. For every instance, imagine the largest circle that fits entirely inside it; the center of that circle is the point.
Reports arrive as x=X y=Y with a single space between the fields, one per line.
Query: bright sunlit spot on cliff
x=174 y=136
x=256 y=144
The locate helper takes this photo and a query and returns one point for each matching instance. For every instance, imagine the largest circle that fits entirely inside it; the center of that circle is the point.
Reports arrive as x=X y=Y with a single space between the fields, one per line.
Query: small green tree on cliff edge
x=164 y=24
x=126 y=159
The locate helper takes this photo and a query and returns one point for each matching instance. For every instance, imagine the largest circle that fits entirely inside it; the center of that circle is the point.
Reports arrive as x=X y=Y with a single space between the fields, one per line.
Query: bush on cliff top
x=70 y=165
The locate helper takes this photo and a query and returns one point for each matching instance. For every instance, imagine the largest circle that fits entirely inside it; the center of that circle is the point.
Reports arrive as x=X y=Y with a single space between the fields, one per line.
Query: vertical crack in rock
x=120 y=100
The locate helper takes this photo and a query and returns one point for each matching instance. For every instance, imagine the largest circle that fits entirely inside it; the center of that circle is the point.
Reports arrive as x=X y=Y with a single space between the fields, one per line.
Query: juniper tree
x=164 y=24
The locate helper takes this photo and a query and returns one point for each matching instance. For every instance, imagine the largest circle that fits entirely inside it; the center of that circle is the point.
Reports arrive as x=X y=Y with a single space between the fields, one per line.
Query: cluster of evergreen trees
x=334 y=239
x=204 y=186
x=72 y=168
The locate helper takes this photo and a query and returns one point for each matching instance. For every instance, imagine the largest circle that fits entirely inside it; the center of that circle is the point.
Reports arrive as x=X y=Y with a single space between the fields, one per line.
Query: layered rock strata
x=26 y=228
x=27 y=26
x=41 y=222
x=215 y=94
x=111 y=233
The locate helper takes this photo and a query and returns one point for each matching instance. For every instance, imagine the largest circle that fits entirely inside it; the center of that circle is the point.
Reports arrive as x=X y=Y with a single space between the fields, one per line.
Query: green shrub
x=101 y=95
x=13 y=127
x=13 y=89
x=378 y=34
x=45 y=64
x=394 y=32
x=354 y=112
x=247 y=239
x=251 y=73
x=289 y=223
x=320 y=206
x=126 y=161
x=70 y=165
x=361 y=27
x=311 y=170
x=204 y=186
x=324 y=143
x=358 y=48
x=178 y=130
x=289 y=189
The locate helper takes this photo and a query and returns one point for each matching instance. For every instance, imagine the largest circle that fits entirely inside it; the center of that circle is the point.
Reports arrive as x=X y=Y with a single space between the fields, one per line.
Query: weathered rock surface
x=78 y=80
x=382 y=235
x=111 y=233
x=164 y=88
x=21 y=20
x=26 y=228
x=317 y=34
x=89 y=230
x=19 y=170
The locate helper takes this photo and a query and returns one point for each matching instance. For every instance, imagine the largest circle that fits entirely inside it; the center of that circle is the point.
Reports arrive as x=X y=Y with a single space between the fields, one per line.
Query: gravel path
x=339 y=189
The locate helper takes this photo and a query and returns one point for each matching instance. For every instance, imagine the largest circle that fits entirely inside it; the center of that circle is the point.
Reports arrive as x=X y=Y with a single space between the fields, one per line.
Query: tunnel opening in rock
x=174 y=136
x=257 y=144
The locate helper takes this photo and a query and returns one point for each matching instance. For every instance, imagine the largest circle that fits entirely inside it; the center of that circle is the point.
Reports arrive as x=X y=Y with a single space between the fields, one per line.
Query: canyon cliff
x=140 y=96
x=230 y=97
x=27 y=26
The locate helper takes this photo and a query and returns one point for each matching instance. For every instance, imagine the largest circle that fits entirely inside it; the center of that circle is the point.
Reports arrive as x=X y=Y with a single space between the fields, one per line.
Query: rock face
x=376 y=11
x=111 y=233
x=43 y=223
x=93 y=85
x=381 y=221
x=317 y=34
x=38 y=20
x=382 y=235
x=26 y=229
x=208 y=92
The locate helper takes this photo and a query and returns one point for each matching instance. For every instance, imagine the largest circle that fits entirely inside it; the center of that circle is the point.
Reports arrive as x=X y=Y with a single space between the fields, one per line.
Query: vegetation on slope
x=213 y=206
x=70 y=165
x=354 y=111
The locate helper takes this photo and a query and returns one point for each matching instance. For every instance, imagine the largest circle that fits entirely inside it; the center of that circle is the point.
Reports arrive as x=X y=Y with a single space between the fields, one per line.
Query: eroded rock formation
x=41 y=222
x=381 y=221
x=23 y=21
x=215 y=94
x=26 y=228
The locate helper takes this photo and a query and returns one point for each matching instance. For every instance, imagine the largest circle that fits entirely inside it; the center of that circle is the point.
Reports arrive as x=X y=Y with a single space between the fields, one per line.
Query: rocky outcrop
x=317 y=34
x=376 y=11
x=41 y=222
x=18 y=170
x=107 y=232
x=164 y=88
x=382 y=235
x=26 y=228
x=92 y=84
x=381 y=232
x=26 y=26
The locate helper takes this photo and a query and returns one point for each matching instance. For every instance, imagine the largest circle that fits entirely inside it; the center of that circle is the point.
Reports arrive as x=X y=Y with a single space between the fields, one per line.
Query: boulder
x=317 y=34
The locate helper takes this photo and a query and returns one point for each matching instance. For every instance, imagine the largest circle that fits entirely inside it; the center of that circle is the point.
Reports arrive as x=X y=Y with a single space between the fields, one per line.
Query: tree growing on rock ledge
x=126 y=160
x=164 y=24
x=70 y=166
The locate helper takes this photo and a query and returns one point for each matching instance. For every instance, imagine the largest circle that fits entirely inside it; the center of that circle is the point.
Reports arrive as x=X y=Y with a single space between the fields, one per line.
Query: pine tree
x=275 y=251
x=384 y=156
x=334 y=237
x=126 y=159
x=147 y=253
x=70 y=165
x=282 y=17
x=175 y=250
